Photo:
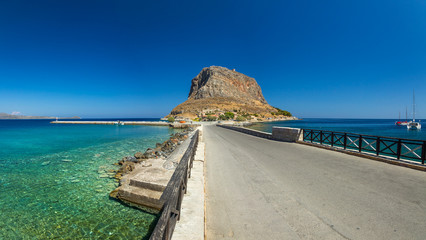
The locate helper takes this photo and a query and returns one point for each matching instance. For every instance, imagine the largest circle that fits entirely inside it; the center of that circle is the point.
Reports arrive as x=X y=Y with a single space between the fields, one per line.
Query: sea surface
x=376 y=127
x=55 y=180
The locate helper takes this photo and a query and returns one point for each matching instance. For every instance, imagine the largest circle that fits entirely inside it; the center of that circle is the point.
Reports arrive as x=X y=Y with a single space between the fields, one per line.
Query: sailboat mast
x=414 y=107
x=406 y=113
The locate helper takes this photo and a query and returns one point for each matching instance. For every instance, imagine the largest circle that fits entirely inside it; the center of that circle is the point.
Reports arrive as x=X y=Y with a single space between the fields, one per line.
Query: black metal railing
x=173 y=194
x=399 y=148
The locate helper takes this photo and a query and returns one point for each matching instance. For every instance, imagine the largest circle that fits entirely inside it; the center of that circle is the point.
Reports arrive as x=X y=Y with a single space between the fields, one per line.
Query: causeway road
x=262 y=189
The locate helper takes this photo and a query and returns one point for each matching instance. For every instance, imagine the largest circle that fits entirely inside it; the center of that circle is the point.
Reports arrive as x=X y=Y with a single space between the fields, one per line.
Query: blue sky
x=344 y=59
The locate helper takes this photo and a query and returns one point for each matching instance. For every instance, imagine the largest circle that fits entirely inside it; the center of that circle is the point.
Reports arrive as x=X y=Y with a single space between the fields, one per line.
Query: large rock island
x=221 y=93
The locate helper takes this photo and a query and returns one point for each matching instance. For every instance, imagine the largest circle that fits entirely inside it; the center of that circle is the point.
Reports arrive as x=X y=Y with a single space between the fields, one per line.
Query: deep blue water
x=377 y=127
x=55 y=179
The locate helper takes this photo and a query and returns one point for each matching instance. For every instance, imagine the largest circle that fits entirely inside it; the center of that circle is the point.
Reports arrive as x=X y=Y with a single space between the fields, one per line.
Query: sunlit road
x=262 y=189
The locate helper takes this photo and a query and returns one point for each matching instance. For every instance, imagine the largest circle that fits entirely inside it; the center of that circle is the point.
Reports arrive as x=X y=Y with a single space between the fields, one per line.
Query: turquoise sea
x=55 y=180
x=376 y=127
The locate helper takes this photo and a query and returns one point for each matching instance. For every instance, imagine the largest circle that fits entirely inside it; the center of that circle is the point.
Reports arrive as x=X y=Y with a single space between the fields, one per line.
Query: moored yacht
x=402 y=123
x=413 y=125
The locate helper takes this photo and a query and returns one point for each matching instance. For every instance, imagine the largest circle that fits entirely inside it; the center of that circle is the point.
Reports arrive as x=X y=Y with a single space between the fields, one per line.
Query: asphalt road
x=263 y=189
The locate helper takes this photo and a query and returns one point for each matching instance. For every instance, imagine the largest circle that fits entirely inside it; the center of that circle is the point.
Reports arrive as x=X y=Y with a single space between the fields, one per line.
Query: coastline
x=58 y=178
x=143 y=176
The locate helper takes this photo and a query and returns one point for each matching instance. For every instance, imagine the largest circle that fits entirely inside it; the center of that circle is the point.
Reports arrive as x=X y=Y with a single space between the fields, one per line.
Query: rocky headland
x=218 y=93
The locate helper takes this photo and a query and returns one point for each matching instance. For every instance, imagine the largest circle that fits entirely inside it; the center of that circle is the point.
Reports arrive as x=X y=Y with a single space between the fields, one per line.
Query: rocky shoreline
x=162 y=151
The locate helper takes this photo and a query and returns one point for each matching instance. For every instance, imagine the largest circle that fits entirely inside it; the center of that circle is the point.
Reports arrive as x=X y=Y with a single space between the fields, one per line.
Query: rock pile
x=161 y=150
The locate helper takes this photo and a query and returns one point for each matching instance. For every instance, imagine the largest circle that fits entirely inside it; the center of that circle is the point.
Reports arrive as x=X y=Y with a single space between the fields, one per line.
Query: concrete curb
x=191 y=225
x=282 y=134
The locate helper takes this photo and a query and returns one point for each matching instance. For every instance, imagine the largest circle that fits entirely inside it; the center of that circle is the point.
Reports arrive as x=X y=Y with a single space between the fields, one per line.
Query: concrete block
x=286 y=134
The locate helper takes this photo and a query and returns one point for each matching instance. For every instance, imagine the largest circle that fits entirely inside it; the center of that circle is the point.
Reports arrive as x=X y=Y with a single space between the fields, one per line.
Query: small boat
x=402 y=123
x=119 y=123
x=413 y=125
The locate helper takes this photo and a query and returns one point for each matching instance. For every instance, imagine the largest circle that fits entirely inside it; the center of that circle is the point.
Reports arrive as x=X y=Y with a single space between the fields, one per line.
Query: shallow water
x=55 y=180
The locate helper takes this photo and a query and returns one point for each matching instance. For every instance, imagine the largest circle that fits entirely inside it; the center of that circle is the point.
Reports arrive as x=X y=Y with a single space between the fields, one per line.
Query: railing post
x=378 y=146
x=166 y=235
x=191 y=158
x=360 y=143
x=312 y=135
x=423 y=152
x=345 y=141
x=185 y=179
x=398 y=150
x=179 y=200
x=321 y=137
x=332 y=139
x=303 y=135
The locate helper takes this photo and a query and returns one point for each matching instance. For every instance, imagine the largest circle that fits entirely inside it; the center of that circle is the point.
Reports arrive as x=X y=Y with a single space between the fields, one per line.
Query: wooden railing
x=173 y=194
x=399 y=148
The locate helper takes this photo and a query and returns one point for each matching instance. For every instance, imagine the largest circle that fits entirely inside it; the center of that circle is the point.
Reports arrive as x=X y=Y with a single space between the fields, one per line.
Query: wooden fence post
x=378 y=146
x=345 y=140
x=398 y=150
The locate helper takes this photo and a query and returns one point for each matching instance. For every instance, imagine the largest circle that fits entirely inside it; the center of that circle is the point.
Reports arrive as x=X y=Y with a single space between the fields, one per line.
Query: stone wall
x=283 y=134
x=248 y=131
x=286 y=134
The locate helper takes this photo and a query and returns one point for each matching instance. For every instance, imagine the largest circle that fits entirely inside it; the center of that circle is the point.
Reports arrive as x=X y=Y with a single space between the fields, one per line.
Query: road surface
x=263 y=189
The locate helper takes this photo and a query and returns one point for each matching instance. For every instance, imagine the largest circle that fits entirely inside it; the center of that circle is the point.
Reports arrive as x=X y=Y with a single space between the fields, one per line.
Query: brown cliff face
x=218 y=89
x=221 y=82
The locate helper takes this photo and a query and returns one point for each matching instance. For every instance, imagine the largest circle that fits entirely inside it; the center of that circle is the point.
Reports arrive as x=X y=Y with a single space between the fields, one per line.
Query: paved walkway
x=262 y=189
x=191 y=223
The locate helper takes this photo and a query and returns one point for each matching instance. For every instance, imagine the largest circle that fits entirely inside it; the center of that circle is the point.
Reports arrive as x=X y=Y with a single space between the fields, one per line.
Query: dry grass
x=193 y=107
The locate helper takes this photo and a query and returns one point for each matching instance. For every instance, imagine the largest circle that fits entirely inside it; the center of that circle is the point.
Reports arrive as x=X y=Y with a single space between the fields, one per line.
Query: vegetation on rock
x=211 y=118
x=227 y=116
x=225 y=94
x=240 y=118
x=171 y=119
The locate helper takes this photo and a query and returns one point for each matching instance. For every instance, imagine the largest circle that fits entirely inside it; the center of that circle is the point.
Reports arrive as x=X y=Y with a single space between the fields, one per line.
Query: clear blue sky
x=347 y=59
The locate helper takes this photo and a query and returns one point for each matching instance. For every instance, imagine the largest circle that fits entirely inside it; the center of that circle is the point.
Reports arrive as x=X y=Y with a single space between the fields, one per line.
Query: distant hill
x=217 y=90
x=10 y=116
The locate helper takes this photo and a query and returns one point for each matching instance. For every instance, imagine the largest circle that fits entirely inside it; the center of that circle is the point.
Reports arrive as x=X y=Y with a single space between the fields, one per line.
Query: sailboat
x=413 y=125
x=402 y=123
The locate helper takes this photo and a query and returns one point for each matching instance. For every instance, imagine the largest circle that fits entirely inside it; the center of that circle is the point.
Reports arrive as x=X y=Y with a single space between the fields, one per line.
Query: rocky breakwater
x=144 y=176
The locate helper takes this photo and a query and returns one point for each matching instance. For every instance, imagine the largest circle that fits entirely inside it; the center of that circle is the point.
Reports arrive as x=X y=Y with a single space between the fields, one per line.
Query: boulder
x=139 y=155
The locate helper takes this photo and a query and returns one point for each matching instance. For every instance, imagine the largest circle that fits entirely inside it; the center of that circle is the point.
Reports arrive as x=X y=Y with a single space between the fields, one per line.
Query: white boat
x=413 y=125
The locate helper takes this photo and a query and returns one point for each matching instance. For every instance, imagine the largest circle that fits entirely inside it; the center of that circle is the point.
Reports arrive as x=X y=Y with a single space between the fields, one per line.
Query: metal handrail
x=407 y=139
x=410 y=149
